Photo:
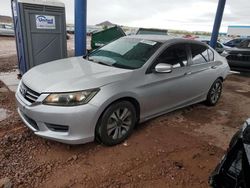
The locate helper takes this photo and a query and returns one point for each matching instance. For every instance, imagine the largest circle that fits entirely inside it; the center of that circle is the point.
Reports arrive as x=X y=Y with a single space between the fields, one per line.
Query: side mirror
x=163 y=68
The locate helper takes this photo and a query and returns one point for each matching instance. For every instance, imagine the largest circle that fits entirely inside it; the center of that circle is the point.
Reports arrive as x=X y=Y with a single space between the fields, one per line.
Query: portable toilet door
x=40 y=30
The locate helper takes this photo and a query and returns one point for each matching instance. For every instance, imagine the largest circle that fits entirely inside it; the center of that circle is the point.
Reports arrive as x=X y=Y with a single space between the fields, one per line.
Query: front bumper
x=76 y=124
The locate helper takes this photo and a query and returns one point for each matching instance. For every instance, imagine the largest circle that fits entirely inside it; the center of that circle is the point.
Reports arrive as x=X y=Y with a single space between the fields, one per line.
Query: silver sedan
x=129 y=81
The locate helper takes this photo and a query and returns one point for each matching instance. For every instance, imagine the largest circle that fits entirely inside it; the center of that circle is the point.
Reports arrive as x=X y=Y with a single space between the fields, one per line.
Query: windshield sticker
x=151 y=43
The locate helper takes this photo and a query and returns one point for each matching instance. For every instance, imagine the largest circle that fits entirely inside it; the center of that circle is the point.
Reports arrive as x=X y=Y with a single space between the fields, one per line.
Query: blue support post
x=217 y=22
x=80 y=27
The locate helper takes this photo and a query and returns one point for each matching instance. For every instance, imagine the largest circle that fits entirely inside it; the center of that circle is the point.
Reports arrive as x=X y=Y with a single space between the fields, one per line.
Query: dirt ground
x=179 y=149
x=7 y=46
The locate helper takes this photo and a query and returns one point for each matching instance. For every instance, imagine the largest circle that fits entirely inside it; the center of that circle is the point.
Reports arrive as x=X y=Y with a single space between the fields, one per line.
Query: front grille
x=235 y=57
x=28 y=93
x=57 y=128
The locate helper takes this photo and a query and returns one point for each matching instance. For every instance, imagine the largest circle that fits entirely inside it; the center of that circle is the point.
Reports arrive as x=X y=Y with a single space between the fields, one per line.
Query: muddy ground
x=179 y=149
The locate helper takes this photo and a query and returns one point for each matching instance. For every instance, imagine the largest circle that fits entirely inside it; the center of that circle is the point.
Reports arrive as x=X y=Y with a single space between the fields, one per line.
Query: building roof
x=239 y=26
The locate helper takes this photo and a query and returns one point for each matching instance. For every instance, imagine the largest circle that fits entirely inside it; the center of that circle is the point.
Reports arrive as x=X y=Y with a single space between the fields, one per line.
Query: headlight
x=225 y=53
x=70 y=99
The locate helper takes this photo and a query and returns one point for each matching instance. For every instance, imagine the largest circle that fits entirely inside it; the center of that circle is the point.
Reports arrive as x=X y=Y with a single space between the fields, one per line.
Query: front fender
x=109 y=95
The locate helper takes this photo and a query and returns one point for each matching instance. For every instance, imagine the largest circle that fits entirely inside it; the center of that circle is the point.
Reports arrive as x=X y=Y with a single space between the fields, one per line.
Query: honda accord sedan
x=131 y=80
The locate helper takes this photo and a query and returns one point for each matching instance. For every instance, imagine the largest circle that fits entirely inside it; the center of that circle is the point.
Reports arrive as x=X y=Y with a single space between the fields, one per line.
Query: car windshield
x=125 y=53
x=234 y=41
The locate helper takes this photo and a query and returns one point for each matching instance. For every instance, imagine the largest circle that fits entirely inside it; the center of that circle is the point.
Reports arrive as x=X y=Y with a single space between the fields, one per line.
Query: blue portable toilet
x=40 y=30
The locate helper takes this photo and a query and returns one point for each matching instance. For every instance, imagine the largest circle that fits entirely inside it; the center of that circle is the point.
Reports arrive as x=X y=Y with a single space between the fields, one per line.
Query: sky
x=191 y=15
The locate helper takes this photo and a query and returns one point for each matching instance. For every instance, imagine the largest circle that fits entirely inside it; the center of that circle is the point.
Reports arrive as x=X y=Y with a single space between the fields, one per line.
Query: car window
x=244 y=44
x=127 y=53
x=199 y=54
x=218 y=45
x=234 y=42
x=210 y=55
x=238 y=40
x=175 y=55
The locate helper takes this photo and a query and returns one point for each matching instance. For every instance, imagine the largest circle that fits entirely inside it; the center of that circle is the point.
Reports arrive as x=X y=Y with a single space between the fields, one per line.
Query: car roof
x=163 y=39
x=157 y=38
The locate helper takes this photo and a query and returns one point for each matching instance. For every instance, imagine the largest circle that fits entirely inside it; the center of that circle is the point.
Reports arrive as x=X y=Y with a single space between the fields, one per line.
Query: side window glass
x=211 y=55
x=175 y=55
x=205 y=55
x=199 y=54
x=237 y=41
x=244 y=44
x=218 y=45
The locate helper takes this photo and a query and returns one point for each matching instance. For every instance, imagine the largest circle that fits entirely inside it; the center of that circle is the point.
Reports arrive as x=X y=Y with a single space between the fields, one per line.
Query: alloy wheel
x=119 y=123
x=216 y=92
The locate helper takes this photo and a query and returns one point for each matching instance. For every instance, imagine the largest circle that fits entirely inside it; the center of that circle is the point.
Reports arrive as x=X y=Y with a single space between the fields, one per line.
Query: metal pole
x=217 y=23
x=80 y=27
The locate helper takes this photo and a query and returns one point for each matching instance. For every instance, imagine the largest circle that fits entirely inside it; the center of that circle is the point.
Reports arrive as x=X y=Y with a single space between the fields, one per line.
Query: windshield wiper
x=99 y=62
x=123 y=66
x=86 y=56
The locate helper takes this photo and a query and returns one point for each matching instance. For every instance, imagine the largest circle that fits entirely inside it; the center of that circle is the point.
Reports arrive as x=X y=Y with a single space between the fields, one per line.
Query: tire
x=116 y=124
x=214 y=93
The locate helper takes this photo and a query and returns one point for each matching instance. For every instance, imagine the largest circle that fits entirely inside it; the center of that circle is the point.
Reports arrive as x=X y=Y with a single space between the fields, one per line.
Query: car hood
x=72 y=74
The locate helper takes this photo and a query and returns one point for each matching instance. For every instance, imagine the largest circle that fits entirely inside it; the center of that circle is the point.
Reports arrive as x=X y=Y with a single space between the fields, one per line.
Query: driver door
x=165 y=91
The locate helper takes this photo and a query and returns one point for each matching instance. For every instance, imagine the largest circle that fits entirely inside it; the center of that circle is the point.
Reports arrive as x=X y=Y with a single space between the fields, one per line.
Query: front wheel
x=214 y=93
x=116 y=123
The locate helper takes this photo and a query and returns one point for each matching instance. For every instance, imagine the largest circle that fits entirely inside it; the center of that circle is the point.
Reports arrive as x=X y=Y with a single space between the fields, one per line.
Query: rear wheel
x=116 y=123
x=214 y=93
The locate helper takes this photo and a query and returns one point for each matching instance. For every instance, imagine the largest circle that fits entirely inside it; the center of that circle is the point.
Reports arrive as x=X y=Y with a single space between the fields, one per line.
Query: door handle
x=188 y=73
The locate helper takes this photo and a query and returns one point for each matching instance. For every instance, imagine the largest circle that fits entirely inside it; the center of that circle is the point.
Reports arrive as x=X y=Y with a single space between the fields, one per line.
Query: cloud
x=173 y=14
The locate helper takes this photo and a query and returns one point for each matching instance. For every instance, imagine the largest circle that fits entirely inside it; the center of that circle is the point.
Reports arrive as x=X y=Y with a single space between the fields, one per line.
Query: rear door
x=201 y=70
